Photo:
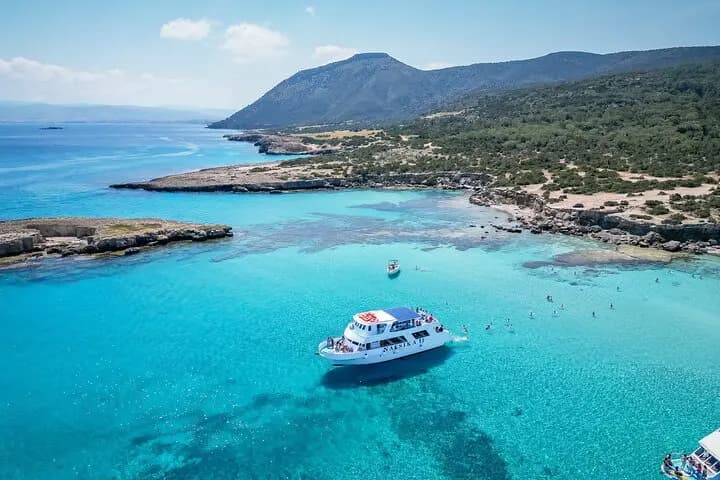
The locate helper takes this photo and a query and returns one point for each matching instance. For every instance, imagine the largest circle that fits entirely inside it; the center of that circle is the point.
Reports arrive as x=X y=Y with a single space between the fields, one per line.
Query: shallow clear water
x=197 y=361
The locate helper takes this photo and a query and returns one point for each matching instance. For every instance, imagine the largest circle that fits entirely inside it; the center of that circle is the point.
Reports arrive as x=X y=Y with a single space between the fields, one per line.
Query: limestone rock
x=671 y=246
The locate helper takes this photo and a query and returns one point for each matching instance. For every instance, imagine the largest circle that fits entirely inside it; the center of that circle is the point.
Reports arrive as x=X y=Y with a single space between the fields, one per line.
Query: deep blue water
x=197 y=361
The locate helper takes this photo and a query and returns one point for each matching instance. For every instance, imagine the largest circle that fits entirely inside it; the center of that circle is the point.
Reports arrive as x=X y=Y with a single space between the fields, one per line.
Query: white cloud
x=185 y=29
x=332 y=53
x=310 y=10
x=31 y=80
x=253 y=43
x=436 y=65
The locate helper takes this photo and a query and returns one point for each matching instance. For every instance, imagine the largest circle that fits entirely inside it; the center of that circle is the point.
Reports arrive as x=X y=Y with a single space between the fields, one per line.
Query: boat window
x=401 y=325
x=380 y=328
x=421 y=334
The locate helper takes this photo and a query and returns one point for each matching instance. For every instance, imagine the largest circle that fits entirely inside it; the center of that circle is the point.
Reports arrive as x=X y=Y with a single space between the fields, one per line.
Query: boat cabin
x=377 y=322
x=387 y=328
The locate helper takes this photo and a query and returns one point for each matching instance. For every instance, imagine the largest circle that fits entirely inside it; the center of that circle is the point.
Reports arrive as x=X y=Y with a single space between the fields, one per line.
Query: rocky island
x=21 y=240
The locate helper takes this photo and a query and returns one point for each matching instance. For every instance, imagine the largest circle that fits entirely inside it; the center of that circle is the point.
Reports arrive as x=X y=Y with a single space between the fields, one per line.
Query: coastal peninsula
x=21 y=240
x=618 y=223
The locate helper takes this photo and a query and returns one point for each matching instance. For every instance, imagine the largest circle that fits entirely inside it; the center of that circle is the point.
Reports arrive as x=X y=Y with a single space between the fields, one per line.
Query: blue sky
x=227 y=53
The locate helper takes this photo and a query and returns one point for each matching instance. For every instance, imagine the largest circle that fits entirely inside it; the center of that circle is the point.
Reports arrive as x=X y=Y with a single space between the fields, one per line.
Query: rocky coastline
x=274 y=178
x=33 y=238
x=607 y=225
x=275 y=144
x=530 y=211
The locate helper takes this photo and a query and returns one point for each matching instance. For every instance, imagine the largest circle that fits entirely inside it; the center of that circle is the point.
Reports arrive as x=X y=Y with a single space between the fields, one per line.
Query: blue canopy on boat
x=402 y=313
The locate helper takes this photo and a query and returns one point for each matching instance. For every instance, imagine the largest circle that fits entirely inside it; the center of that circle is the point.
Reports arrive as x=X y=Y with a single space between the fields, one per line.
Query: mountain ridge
x=375 y=87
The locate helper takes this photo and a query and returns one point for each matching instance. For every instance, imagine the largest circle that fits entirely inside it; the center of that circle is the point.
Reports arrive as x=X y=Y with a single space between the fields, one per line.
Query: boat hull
x=384 y=354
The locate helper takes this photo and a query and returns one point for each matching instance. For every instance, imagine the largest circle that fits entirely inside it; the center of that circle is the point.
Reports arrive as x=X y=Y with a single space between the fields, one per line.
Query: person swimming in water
x=593 y=314
x=612 y=307
x=531 y=314
x=465 y=330
x=488 y=326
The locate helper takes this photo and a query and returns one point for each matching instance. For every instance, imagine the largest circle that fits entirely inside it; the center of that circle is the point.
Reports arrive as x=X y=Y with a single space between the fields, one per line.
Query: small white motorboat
x=703 y=463
x=381 y=335
x=393 y=268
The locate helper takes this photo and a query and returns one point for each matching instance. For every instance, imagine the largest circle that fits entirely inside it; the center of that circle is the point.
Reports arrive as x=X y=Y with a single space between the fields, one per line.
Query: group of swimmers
x=549 y=298
x=490 y=325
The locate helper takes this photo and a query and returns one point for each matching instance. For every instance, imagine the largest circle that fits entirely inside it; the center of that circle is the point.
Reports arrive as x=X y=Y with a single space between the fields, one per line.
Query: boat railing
x=689 y=467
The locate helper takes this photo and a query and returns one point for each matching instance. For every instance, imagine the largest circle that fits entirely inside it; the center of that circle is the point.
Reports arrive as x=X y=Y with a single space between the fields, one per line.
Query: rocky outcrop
x=272 y=144
x=603 y=225
x=223 y=179
x=21 y=241
x=73 y=236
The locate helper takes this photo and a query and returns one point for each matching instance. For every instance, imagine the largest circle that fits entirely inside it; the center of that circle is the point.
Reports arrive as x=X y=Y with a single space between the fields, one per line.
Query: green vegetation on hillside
x=662 y=123
x=624 y=133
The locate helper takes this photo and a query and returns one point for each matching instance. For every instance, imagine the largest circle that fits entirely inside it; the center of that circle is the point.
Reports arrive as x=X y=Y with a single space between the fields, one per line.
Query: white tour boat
x=393 y=268
x=381 y=335
x=702 y=464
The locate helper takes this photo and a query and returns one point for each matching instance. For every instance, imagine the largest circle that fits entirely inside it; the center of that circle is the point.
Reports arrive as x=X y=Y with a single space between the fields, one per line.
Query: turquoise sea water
x=197 y=361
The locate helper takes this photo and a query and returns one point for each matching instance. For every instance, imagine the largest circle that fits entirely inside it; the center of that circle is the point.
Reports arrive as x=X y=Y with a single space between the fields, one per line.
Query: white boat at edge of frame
x=707 y=455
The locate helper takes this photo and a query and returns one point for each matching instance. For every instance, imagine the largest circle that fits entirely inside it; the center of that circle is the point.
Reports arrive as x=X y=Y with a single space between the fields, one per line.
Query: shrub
x=657 y=210
x=674 y=219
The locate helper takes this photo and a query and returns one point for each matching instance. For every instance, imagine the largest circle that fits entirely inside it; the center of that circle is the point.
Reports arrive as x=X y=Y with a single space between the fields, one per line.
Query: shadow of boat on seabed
x=387 y=372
